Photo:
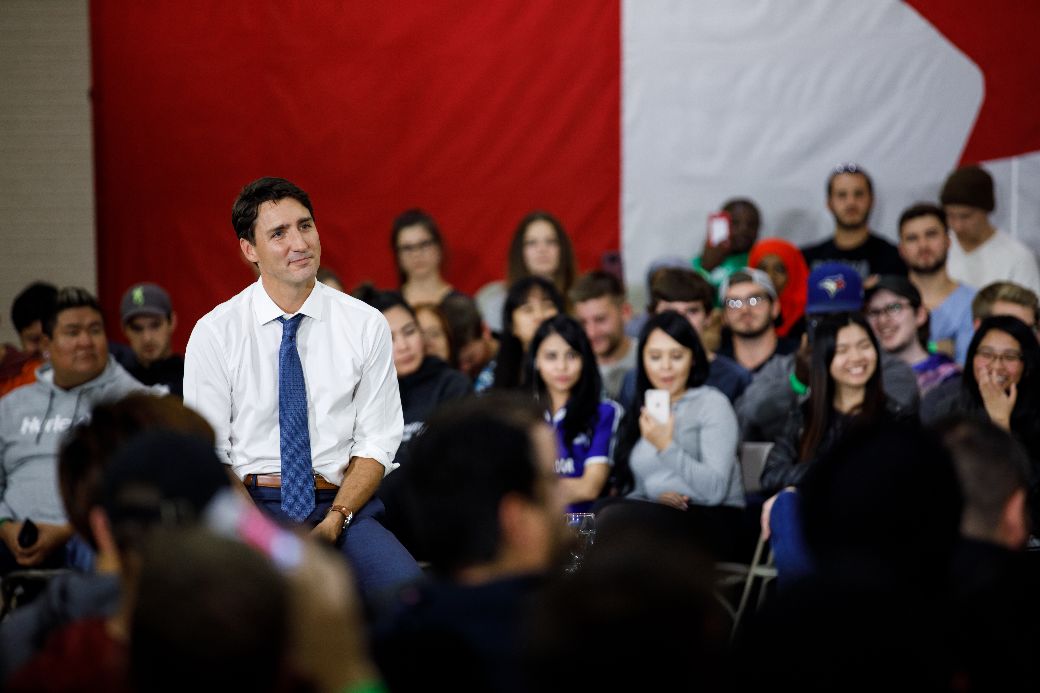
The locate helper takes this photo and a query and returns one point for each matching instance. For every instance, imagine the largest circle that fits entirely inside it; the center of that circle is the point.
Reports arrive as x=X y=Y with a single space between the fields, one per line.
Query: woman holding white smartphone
x=680 y=449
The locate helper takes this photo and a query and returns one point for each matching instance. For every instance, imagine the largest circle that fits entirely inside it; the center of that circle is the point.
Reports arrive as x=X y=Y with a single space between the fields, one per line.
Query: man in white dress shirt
x=298 y=382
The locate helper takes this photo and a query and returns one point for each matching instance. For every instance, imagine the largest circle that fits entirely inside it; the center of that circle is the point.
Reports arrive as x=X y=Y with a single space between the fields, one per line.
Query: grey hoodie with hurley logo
x=33 y=419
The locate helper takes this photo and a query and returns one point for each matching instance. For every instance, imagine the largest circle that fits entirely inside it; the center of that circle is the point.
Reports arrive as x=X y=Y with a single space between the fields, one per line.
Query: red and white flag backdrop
x=631 y=120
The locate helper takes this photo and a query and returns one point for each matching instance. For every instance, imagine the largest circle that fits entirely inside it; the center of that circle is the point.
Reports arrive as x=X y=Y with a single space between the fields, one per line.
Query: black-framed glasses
x=1010 y=358
x=891 y=310
x=750 y=302
x=408 y=248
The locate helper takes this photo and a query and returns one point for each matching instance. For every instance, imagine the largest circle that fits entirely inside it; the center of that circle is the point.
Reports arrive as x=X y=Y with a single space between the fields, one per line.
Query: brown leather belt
x=275 y=481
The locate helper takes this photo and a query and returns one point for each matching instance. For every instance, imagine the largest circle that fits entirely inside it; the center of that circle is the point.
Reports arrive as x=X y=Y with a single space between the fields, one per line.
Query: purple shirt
x=572 y=456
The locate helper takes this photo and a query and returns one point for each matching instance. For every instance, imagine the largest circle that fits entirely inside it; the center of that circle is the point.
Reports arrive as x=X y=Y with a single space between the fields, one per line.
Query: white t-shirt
x=353 y=402
x=1001 y=258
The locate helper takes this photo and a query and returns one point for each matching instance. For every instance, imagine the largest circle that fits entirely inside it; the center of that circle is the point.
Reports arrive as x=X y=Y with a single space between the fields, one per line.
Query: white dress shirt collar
x=265 y=309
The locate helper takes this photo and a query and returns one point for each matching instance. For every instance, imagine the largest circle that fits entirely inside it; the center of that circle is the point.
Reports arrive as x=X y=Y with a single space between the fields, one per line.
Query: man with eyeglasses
x=749 y=313
x=900 y=323
x=850 y=197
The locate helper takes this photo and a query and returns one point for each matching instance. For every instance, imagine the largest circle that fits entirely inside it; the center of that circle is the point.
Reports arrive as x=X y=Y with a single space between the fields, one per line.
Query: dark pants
x=379 y=561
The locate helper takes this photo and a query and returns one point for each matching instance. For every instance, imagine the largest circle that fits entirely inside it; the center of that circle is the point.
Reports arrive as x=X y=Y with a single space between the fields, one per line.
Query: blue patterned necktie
x=297 y=478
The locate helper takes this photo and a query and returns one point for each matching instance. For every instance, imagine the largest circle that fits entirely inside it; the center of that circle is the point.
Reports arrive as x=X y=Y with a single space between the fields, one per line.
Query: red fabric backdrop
x=478 y=112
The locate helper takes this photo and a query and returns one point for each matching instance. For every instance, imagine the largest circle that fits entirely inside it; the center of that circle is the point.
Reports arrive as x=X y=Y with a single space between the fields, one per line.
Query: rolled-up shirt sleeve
x=379 y=423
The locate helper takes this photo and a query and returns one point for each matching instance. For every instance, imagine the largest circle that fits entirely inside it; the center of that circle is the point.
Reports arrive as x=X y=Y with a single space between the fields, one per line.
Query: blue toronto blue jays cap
x=834 y=287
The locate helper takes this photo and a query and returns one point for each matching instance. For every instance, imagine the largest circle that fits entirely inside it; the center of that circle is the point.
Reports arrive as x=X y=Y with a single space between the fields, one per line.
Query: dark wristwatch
x=347 y=513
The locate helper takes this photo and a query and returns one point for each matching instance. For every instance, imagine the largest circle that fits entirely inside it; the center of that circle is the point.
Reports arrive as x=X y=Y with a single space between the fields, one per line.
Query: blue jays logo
x=832 y=284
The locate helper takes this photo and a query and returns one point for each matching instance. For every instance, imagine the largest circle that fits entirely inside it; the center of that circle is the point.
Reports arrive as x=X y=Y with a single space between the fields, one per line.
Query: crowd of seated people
x=444 y=439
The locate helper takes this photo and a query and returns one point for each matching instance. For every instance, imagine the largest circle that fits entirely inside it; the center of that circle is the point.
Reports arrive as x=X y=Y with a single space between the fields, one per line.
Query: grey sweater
x=33 y=419
x=701 y=461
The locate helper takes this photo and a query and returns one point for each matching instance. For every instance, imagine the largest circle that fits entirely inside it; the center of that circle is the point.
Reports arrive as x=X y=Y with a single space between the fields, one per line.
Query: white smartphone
x=658 y=404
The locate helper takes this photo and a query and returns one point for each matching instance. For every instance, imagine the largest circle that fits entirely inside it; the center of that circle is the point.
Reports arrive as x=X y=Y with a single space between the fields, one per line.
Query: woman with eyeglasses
x=419 y=252
x=845 y=390
x=1001 y=380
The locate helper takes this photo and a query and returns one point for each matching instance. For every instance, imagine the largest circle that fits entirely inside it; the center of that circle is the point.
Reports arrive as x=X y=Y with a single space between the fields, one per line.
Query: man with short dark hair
x=979 y=253
x=486 y=507
x=850 y=197
x=18 y=367
x=148 y=323
x=298 y=382
x=601 y=308
x=750 y=309
x=474 y=344
x=900 y=323
x=718 y=261
x=689 y=294
x=924 y=245
x=34 y=417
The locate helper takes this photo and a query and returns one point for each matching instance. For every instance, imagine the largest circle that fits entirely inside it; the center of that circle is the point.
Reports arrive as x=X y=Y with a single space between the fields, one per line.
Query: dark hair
x=820 y=405
x=852 y=169
x=380 y=300
x=991 y=465
x=324 y=274
x=921 y=209
x=67 y=298
x=583 y=403
x=886 y=497
x=89 y=447
x=464 y=317
x=510 y=361
x=471 y=454
x=261 y=190
x=563 y=278
x=1024 y=415
x=216 y=607
x=678 y=328
x=737 y=202
x=34 y=302
x=597 y=284
x=436 y=311
x=412 y=217
x=679 y=284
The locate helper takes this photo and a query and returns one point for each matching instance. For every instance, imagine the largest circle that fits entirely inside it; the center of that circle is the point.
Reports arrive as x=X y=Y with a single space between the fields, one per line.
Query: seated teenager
x=425 y=383
x=845 y=389
x=529 y=302
x=901 y=323
x=562 y=370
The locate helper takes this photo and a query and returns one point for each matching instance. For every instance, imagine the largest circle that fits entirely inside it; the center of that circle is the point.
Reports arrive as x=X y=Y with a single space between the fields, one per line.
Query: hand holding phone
x=718 y=228
x=658 y=405
x=29 y=534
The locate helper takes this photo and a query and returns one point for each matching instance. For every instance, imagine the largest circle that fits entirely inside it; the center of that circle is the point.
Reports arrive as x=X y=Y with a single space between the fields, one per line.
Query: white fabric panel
x=764 y=98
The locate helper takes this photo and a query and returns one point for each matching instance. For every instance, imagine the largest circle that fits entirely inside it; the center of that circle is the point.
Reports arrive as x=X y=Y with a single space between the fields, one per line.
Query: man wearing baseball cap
x=148 y=322
x=749 y=313
x=979 y=253
x=780 y=385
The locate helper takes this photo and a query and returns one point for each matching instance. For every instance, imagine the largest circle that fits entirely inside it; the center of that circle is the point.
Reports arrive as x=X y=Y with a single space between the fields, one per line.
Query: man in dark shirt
x=850 y=196
x=148 y=323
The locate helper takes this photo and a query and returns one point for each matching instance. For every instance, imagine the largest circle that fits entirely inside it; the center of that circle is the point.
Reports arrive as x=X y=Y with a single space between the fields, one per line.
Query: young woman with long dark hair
x=562 y=370
x=692 y=458
x=529 y=302
x=540 y=248
x=845 y=388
